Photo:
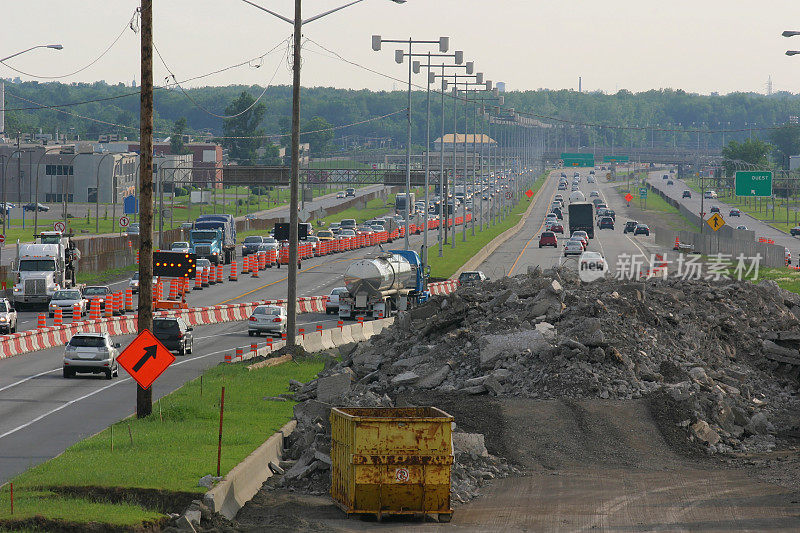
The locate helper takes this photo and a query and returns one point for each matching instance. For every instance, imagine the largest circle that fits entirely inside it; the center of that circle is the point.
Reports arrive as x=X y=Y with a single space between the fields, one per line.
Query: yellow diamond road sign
x=715 y=221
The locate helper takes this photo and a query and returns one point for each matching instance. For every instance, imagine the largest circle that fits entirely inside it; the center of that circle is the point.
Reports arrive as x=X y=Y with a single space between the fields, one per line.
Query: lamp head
x=398 y=56
x=431 y=77
x=376 y=43
x=55 y=46
x=415 y=67
x=488 y=85
x=479 y=78
x=459 y=57
x=470 y=67
x=444 y=44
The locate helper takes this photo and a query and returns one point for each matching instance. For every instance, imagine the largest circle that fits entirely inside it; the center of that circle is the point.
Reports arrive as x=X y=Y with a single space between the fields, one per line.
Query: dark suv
x=630 y=226
x=250 y=244
x=174 y=334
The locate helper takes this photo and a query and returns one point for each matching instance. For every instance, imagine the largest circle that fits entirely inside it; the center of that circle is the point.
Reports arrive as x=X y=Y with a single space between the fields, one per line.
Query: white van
x=576 y=196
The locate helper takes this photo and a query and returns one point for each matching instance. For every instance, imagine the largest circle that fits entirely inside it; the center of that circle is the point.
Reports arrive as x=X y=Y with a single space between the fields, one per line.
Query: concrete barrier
x=312 y=342
x=246 y=478
x=327 y=339
x=347 y=335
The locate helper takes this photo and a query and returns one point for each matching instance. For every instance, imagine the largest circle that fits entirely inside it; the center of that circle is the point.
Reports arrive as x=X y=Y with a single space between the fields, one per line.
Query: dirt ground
x=590 y=465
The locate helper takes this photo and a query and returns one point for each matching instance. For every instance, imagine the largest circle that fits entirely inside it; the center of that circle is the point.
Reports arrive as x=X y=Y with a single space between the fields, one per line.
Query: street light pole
x=297 y=22
x=399 y=56
x=53 y=46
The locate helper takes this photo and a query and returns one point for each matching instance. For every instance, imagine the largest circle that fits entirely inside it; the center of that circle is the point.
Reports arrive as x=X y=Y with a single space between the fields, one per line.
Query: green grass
x=338 y=163
x=655 y=202
x=101 y=278
x=454 y=258
x=172 y=449
x=786 y=278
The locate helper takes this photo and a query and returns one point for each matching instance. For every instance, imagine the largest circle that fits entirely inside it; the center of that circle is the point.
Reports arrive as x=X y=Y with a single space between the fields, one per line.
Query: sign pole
x=144 y=397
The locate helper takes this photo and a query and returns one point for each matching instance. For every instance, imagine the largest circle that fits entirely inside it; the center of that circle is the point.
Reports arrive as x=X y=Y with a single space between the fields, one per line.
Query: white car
x=180 y=246
x=340 y=194
x=332 y=305
x=91 y=353
x=8 y=316
x=593 y=262
x=267 y=319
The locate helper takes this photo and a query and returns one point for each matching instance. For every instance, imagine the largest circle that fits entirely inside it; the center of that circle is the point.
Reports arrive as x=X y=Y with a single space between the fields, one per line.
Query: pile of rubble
x=725 y=354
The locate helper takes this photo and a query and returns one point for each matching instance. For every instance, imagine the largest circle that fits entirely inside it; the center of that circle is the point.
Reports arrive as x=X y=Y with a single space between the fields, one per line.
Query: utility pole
x=144 y=397
x=291 y=293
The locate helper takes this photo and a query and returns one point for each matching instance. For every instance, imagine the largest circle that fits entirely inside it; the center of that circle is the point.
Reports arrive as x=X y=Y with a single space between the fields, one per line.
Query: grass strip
x=170 y=450
x=654 y=202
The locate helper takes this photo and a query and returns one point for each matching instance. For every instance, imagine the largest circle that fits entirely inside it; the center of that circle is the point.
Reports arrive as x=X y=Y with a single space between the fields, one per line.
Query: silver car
x=332 y=305
x=65 y=300
x=8 y=317
x=134 y=282
x=573 y=247
x=267 y=319
x=93 y=353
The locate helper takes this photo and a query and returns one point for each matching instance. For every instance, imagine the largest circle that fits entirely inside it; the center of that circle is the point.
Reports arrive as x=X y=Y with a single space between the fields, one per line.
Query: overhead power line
x=129 y=24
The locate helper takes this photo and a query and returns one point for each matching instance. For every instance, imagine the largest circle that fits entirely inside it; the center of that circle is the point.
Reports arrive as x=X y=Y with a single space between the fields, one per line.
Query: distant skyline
x=708 y=46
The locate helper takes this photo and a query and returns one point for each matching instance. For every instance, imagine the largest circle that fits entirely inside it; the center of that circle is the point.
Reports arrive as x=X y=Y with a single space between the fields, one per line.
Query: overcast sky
x=698 y=45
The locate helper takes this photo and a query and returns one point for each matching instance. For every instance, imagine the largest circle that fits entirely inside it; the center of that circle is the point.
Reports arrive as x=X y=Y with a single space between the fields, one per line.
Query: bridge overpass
x=669 y=156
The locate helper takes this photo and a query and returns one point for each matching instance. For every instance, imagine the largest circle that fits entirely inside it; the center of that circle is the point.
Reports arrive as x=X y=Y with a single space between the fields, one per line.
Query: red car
x=557 y=228
x=548 y=238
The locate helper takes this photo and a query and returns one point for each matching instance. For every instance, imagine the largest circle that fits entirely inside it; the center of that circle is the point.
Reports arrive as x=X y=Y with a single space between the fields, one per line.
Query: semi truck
x=581 y=217
x=383 y=283
x=214 y=238
x=400 y=203
x=43 y=267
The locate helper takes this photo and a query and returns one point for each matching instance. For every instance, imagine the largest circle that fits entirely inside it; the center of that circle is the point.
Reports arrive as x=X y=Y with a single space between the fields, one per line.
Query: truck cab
x=207 y=243
x=40 y=271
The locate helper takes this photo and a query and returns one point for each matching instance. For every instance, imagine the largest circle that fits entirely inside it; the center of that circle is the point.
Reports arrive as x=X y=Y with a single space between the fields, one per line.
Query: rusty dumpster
x=388 y=460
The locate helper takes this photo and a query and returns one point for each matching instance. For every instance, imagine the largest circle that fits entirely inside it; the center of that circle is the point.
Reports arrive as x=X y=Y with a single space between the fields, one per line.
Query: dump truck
x=214 y=238
x=383 y=283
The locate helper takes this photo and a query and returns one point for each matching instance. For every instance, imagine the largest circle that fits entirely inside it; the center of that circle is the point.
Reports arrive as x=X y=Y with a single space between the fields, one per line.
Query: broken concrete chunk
x=470 y=443
x=405 y=378
x=702 y=431
x=333 y=387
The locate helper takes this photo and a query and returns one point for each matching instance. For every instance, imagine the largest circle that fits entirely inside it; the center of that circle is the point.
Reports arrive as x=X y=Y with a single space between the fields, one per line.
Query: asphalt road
x=522 y=250
x=762 y=229
x=41 y=413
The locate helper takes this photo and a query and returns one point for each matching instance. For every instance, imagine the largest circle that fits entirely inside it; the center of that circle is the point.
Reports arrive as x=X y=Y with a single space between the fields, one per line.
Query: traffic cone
x=58 y=318
x=42 y=323
x=677 y=245
x=212 y=275
x=129 y=299
x=253 y=349
x=253 y=267
x=205 y=282
x=109 y=309
x=94 y=309
x=227 y=358
x=220 y=276
x=239 y=354
x=198 y=281
x=233 y=276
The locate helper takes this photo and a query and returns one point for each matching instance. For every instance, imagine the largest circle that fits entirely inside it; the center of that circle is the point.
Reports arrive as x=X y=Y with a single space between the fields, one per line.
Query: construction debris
x=725 y=352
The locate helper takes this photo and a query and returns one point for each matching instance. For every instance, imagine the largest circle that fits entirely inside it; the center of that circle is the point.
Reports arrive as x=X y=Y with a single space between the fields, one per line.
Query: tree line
x=662 y=118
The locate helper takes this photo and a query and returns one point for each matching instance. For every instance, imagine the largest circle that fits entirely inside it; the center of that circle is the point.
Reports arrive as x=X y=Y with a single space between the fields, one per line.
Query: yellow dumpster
x=388 y=460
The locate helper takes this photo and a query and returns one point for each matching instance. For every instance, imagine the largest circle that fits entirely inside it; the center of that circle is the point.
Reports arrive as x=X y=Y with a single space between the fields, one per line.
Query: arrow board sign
x=145 y=359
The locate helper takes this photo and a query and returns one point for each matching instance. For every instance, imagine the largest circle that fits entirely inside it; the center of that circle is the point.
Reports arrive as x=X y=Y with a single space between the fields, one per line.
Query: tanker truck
x=383 y=283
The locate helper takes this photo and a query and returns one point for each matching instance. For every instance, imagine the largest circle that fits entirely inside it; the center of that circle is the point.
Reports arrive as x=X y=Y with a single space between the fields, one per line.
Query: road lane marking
x=511 y=270
x=282 y=279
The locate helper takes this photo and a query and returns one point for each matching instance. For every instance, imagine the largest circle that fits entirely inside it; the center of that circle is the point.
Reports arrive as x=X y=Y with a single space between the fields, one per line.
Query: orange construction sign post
x=145 y=359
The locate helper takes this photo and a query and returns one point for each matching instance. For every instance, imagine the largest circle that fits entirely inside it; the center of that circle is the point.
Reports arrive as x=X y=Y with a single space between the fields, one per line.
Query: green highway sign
x=578 y=160
x=616 y=159
x=757 y=183
x=642 y=192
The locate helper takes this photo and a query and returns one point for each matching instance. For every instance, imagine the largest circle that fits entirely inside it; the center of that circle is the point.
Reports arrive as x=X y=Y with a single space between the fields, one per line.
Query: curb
x=475 y=261
x=246 y=478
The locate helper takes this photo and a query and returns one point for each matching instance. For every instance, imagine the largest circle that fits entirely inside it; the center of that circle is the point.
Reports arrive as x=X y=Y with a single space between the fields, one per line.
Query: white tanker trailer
x=383 y=283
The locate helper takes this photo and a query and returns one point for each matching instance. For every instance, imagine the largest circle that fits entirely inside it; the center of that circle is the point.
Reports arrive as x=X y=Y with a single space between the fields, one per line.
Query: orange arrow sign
x=145 y=359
